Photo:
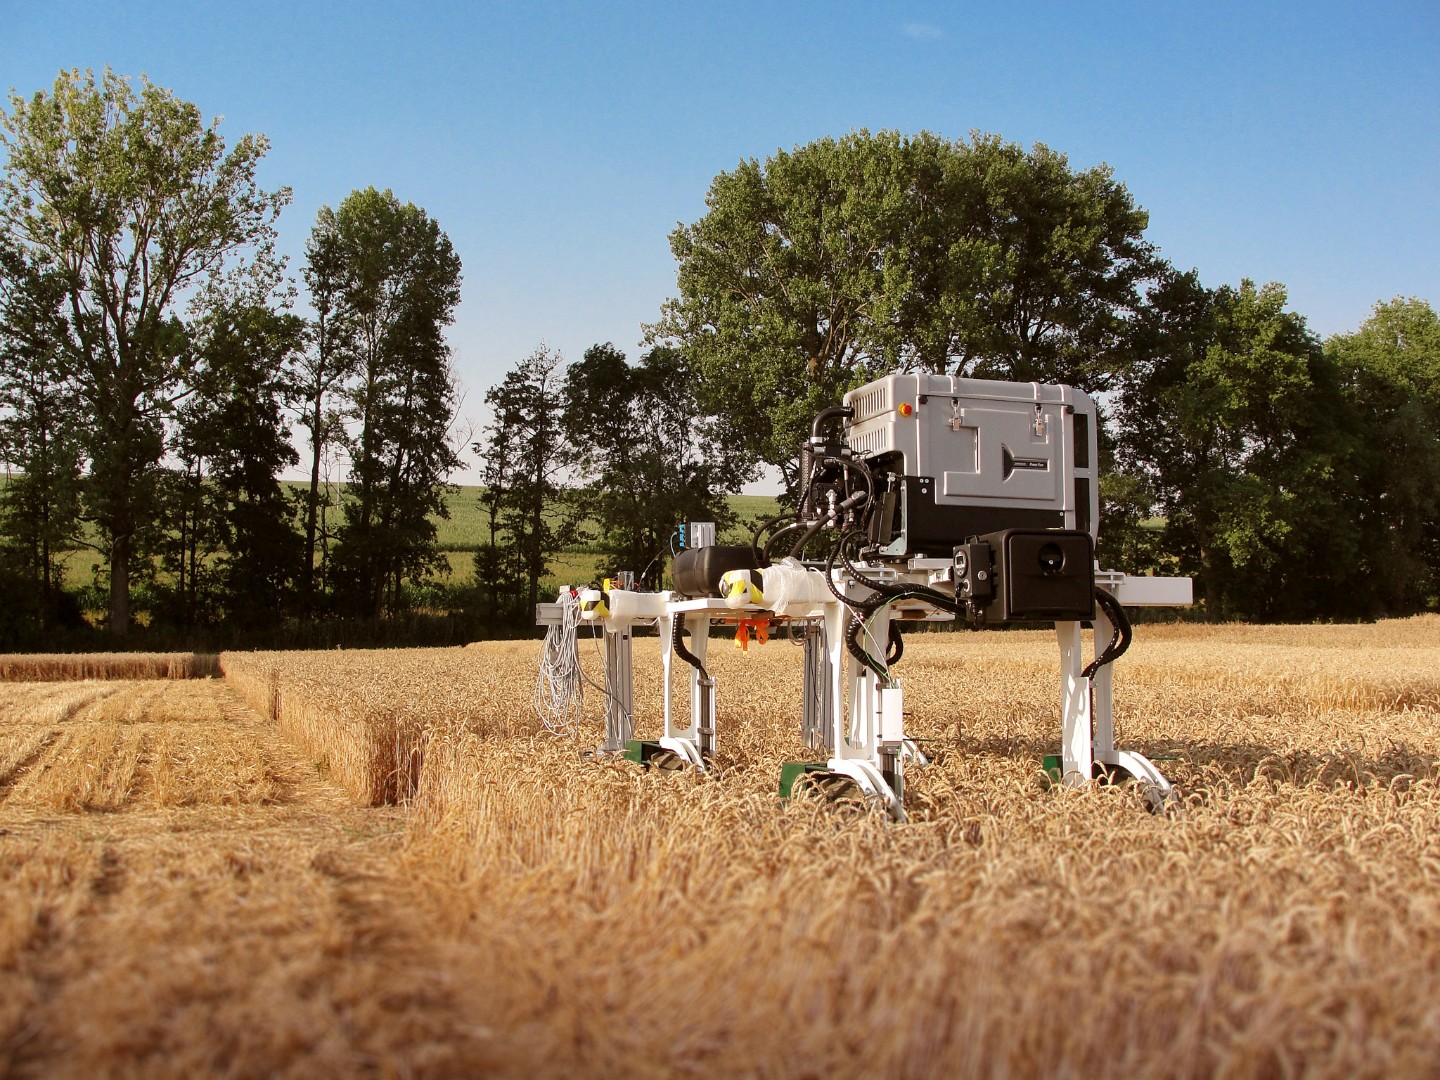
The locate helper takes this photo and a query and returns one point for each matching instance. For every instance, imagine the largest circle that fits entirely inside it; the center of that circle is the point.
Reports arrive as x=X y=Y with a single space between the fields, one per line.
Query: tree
x=325 y=367
x=40 y=506
x=186 y=541
x=1130 y=537
x=136 y=205
x=1390 y=369
x=525 y=452
x=652 y=458
x=1238 y=422
x=822 y=268
x=233 y=443
x=394 y=280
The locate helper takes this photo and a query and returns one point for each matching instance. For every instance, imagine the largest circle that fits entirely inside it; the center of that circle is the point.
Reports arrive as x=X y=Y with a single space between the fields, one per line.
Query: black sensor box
x=1041 y=575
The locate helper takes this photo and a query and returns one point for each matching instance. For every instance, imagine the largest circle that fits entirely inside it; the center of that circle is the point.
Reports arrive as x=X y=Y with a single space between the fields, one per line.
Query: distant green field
x=468 y=526
x=466 y=529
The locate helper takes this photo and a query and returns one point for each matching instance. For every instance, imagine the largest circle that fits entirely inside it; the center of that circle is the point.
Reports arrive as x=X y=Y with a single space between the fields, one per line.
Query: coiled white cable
x=559 y=687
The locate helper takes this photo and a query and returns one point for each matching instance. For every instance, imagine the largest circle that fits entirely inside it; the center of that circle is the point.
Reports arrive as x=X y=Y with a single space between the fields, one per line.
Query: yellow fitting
x=739 y=587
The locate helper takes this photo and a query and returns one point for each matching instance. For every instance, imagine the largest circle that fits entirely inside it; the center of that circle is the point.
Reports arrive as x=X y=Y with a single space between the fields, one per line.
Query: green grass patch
x=464 y=532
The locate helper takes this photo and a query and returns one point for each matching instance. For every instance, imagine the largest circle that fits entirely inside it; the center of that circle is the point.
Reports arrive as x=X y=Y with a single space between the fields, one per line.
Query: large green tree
x=322 y=375
x=39 y=435
x=650 y=456
x=1391 y=371
x=525 y=455
x=1240 y=426
x=232 y=443
x=134 y=201
x=391 y=279
x=822 y=267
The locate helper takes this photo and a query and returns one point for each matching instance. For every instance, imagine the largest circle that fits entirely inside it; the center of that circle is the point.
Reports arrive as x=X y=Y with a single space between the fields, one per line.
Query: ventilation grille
x=871 y=403
x=872 y=442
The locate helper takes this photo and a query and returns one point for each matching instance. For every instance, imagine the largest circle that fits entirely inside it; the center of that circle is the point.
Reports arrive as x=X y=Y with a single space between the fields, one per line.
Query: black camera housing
x=1035 y=575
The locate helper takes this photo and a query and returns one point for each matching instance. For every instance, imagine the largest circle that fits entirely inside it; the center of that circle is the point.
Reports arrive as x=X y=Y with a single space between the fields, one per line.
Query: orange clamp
x=761 y=629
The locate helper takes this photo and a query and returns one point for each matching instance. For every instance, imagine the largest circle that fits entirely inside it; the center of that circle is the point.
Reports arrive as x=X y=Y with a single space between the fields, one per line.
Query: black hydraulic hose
x=852 y=643
x=822 y=519
x=829 y=414
x=810 y=532
x=866 y=606
x=1119 y=641
x=851 y=465
x=861 y=468
x=897 y=646
x=677 y=641
x=763 y=559
x=912 y=590
x=862 y=609
x=760 y=529
x=858 y=610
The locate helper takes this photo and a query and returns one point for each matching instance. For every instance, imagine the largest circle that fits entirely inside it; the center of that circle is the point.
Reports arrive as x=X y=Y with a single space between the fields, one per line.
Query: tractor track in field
x=190 y=929
x=11 y=776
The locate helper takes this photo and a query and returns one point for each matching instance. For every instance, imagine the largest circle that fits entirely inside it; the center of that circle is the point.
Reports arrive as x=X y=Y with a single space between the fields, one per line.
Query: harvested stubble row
x=363 y=715
x=183 y=897
x=90 y=746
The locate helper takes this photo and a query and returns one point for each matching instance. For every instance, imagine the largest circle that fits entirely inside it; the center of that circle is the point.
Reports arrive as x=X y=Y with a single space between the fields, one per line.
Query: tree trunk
x=312 y=513
x=46 y=591
x=120 y=586
x=536 y=554
x=192 y=598
x=185 y=538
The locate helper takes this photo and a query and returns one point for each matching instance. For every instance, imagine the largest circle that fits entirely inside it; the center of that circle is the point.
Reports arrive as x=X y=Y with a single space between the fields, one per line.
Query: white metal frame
x=694 y=739
x=865 y=726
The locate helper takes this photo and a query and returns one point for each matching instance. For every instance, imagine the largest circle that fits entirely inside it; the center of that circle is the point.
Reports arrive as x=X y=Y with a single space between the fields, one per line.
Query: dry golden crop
x=538 y=912
x=35 y=667
x=364 y=714
x=106 y=746
x=182 y=895
x=1283 y=920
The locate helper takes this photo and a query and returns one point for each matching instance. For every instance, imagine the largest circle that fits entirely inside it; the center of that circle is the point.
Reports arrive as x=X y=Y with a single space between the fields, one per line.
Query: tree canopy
x=647 y=455
x=822 y=267
x=135 y=206
x=1390 y=369
x=1241 y=425
x=393 y=279
x=526 y=456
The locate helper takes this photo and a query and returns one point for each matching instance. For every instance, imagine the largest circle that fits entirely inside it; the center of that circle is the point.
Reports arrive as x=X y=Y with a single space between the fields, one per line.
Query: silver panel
x=985 y=442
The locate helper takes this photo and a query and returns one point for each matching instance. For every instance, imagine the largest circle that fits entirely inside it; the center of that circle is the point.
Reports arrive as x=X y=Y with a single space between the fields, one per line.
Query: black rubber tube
x=829 y=414
x=1119 y=641
x=678 y=643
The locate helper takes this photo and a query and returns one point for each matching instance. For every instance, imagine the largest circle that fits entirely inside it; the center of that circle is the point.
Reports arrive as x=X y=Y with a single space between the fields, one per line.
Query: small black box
x=973 y=577
x=1042 y=575
x=697 y=571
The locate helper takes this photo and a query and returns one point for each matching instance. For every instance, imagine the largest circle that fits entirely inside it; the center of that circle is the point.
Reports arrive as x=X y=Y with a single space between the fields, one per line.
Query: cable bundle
x=560 y=687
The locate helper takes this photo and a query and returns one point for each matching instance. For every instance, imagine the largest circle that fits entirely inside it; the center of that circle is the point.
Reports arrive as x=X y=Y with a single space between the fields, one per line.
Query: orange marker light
x=905 y=409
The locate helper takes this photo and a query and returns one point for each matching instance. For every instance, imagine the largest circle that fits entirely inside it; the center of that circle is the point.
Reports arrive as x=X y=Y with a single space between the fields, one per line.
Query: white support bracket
x=693 y=740
x=1076 y=724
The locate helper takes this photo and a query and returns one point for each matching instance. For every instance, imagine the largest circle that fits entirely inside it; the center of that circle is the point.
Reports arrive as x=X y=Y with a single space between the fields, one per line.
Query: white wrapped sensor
x=793 y=590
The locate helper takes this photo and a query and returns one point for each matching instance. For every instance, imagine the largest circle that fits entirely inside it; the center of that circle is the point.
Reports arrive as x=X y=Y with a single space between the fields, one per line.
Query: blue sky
x=558 y=144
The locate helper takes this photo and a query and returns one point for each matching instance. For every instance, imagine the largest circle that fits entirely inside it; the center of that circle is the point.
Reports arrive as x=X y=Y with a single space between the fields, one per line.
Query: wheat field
x=46 y=667
x=377 y=863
